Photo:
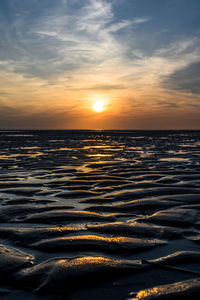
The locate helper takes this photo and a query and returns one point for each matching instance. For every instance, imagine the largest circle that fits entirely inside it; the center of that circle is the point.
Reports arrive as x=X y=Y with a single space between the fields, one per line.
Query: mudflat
x=99 y=214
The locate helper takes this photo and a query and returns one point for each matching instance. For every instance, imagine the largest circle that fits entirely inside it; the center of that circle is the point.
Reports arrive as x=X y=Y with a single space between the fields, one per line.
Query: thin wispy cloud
x=67 y=40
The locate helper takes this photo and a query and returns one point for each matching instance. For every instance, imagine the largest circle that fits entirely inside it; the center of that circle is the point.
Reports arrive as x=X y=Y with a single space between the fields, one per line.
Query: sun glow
x=99 y=106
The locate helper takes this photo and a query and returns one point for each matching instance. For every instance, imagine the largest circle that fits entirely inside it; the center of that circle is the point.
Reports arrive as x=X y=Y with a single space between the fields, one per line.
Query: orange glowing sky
x=100 y=64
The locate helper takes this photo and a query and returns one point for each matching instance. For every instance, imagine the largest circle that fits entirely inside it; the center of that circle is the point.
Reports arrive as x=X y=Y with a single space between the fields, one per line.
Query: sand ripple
x=85 y=209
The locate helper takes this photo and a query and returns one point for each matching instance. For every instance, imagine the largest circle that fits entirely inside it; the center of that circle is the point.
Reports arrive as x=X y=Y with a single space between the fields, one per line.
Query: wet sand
x=99 y=214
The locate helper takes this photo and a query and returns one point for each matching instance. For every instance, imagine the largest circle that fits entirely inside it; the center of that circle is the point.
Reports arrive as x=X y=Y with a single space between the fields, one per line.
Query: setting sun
x=99 y=106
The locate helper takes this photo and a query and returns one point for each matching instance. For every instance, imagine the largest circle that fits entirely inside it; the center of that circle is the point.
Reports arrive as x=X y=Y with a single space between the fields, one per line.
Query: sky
x=139 y=58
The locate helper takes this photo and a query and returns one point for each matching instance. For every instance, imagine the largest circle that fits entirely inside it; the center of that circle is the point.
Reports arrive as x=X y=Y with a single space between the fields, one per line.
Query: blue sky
x=141 y=57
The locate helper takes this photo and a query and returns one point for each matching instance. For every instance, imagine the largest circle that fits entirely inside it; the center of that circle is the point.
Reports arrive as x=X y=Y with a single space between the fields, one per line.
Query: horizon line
x=54 y=129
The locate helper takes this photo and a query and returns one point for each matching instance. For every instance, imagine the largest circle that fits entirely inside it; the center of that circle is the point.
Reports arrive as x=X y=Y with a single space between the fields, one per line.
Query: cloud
x=56 y=41
x=48 y=42
x=126 y=23
x=140 y=20
x=57 y=54
x=70 y=39
x=185 y=79
x=11 y=117
x=104 y=87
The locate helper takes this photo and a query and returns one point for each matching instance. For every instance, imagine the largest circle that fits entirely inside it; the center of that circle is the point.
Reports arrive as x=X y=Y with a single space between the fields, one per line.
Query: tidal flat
x=99 y=214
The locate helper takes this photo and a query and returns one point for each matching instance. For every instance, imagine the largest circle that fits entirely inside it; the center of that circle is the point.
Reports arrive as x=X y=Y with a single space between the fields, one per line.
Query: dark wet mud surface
x=99 y=214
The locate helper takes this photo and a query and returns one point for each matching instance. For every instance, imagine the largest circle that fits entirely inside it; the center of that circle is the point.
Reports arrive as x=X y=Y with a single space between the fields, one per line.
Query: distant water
x=97 y=196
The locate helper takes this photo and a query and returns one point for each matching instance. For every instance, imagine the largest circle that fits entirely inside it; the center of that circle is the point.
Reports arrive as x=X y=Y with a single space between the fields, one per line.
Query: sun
x=98 y=106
